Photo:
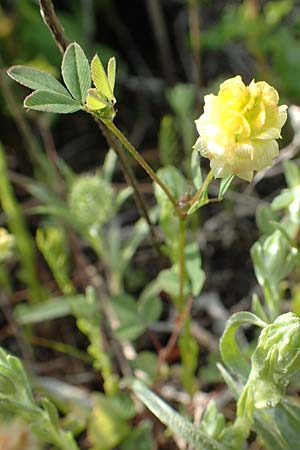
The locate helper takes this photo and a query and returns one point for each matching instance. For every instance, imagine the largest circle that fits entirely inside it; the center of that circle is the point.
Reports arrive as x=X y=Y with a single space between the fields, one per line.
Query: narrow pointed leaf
x=111 y=73
x=196 y=169
x=53 y=308
x=224 y=185
x=177 y=424
x=99 y=77
x=36 y=79
x=76 y=72
x=51 y=102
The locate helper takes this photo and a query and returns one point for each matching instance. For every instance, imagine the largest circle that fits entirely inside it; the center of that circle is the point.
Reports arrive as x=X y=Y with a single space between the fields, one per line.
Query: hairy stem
x=112 y=127
x=130 y=179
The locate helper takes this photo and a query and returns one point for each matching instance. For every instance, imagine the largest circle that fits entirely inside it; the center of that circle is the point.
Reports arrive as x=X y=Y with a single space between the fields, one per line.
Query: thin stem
x=112 y=127
x=181 y=259
x=202 y=189
x=53 y=24
x=130 y=179
x=51 y=20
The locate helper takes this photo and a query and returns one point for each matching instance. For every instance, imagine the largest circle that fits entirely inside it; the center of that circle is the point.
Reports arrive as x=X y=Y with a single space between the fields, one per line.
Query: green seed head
x=91 y=201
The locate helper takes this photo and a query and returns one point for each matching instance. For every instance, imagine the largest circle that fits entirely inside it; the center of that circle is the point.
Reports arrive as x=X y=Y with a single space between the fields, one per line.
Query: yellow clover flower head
x=239 y=128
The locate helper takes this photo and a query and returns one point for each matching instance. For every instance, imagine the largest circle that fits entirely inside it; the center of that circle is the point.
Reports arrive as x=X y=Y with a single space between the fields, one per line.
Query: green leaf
x=107 y=428
x=275 y=258
x=169 y=151
x=193 y=267
x=212 y=421
x=100 y=78
x=292 y=174
x=76 y=72
x=149 y=309
x=140 y=230
x=230 y=352
x=279 y=427
x=36 y=79
x=231 y=383
x=140 y=437
x=177 y=424
x=50 y=309
x=51 y=102
x=196 y=169
x=111 y=72
x=258 y=309
x=176 y=183
x=146 y=362
x=168 y=280
x=130 y=324
x=224 y=185
x=264 y=215
x=282 y=200
x=109 y=165
x=203 y=200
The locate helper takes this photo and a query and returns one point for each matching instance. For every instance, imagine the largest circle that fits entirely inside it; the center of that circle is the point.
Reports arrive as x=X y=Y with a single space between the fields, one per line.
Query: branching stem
x=112 y=127
x=202 y=189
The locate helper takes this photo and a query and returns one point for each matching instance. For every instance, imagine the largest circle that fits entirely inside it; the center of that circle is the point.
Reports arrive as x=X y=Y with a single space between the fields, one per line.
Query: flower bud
x=275 y=360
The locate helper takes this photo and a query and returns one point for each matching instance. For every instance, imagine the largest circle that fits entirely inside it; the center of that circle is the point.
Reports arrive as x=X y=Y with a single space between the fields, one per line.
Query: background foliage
x=79 y=255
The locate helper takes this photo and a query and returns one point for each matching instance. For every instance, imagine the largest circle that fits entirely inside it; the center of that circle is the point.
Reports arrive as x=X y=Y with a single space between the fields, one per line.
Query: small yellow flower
x=239 y=128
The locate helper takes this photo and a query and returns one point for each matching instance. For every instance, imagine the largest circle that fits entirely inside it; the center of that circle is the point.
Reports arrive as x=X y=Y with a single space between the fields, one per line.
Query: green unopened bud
x=273 y=363
x=91 y=202
x=275 y=359
x=101 y=99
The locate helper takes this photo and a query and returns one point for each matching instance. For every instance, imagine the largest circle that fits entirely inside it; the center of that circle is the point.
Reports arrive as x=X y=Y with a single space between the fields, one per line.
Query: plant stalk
x=112 y=127
x=181 y=260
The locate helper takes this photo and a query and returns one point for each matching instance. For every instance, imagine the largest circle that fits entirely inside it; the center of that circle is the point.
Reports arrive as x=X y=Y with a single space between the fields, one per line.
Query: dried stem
x=54 y=25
